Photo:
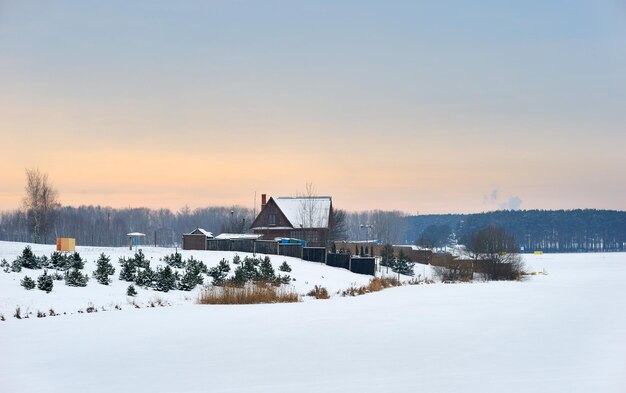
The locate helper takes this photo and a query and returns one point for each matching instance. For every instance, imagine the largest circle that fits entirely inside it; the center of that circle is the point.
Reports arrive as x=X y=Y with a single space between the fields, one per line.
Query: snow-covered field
x=71 y=299
x=562 y=332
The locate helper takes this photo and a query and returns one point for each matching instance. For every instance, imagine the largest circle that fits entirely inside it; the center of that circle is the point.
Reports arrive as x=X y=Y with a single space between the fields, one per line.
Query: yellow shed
x=66 y=244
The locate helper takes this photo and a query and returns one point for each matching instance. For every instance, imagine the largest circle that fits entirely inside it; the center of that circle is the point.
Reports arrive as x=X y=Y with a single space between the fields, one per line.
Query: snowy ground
x=71 y=299
x=563 y=332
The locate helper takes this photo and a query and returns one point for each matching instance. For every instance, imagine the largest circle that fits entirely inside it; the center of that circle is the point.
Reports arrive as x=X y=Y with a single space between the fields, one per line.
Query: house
x=196 y=240
x=306 y=218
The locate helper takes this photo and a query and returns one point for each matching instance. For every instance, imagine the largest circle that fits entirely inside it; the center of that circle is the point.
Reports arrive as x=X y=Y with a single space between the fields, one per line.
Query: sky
x=418 y=106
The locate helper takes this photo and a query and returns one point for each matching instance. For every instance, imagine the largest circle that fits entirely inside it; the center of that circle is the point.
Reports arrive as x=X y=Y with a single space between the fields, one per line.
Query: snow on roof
x=135 y=234
x=305 y=212
x=251 y=236
x=202 y=232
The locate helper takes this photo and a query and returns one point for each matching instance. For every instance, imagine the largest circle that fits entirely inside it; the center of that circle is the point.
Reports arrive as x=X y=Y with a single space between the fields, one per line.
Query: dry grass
x=319 y=293
x=376 y=284
x=256 y=293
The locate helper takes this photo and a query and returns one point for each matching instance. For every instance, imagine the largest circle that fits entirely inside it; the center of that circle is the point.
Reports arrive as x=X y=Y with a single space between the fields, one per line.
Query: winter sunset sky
x=429 y=106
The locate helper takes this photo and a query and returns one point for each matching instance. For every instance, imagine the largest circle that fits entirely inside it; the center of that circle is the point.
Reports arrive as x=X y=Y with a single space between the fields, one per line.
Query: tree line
x=580 y=230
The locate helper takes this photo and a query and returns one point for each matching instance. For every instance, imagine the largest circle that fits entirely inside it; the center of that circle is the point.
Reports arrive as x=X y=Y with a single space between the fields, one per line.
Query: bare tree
x=339 y=225
x=497 y=251
x=40 y=203
x=310 y=210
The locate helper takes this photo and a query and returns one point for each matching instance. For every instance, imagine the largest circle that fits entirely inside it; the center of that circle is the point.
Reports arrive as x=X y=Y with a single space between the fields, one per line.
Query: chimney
x=263 y=201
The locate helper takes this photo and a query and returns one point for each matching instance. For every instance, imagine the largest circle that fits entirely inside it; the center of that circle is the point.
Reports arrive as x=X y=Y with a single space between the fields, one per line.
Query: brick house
x=307 y=218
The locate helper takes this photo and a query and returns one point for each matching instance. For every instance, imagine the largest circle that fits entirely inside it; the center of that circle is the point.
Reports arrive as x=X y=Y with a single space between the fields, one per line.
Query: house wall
x=194 y=242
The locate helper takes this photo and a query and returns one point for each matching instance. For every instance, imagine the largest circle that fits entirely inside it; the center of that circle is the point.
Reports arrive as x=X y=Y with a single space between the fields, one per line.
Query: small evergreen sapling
x=284 y=267
x=104 y=269
x=266 y=270
x=165 y=279
x=174 y=260
x=129 y=270
x=131 y=291
x=28 y=259
x=76 y=262
x=403 y=265
x=218 y=273
x=145 y=278
x=27 y=283
x=74 y=278
x=45 y=282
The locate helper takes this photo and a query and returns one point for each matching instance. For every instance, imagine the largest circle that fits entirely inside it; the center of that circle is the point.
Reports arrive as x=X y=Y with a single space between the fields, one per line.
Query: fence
x=314 y=254
x=361 y=265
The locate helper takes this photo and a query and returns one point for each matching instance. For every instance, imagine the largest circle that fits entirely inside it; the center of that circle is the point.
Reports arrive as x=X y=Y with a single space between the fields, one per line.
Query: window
x=272 y=219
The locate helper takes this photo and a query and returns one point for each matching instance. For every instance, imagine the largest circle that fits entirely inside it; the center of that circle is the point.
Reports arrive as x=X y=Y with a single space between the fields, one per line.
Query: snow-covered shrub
x=218 y=273
x=165 y=279
x=27 y=283
x=284 y=267
x=266 y=270
x=131 y=291
x=28 y=259
x=129 y=270
x=174 y=260
x=74 y=278
x=76 y=262
x=6 y=267
x=103 y=270
x=145 y=277
x=403 y=265
x=45 y=282
x=236 y=259
x=193 y=274
x=16 y=266
x=56 y=276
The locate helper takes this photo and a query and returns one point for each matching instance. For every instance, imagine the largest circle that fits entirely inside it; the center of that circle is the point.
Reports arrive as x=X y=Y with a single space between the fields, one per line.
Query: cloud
x=514 y=203
x=493 y=199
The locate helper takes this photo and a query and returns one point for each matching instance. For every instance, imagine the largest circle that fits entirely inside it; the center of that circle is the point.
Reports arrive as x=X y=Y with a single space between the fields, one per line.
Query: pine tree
x=28 y=259
x=76 y=262
x=131 y=291
x=145 y=277
x=174 y=260
x=103 y=270
x=403 y=265
x=236 y=259
x=165 y=279
x=45 y=282
x=128 y=271
x=27 y=283
x=74 y=278
x=284 y=267
x=266 y=270
x=218 y=273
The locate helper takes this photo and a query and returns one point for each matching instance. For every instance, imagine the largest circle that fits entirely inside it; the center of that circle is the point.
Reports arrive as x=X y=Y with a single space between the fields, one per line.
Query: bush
x=103 y=270
x=174 y=260
x=74 y=278
x=319 y=292
x=45 y=282
x=248 y=294
x=56 y=276
x=284 y=267
x=131 y=291
x=236 y=259
x=27 y=283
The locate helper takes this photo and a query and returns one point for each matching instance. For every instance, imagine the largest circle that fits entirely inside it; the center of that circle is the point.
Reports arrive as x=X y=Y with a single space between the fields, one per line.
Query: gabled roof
x=305 y=212
x=200 y=231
